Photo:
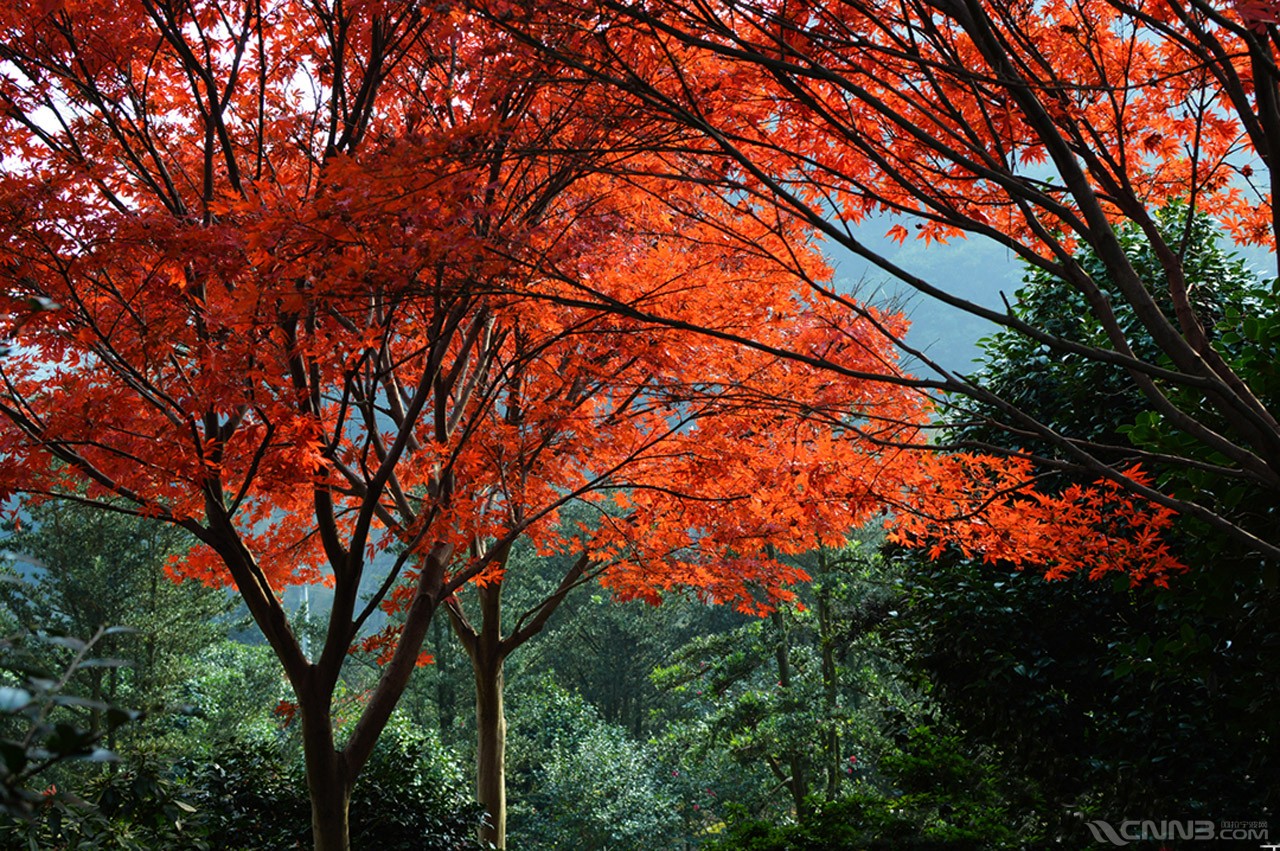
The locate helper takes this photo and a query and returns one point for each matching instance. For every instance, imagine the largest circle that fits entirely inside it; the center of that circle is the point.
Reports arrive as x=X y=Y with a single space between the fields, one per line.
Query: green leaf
x=106 y=663
x=74 y=700
x=117 y=717
x=68 y=641
x=14 y=699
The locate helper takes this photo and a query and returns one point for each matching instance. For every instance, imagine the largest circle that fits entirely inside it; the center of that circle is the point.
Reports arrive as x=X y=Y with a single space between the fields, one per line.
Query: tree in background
x=38 y=733
x=783 y=693
x=160 y=660
x=587 y=783
x=805 y=729
x=95 y=569
x=617 y=645
x=1113 y=698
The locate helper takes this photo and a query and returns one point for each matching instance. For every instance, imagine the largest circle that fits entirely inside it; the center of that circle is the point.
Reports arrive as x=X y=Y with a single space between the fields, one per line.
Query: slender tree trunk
x=491 y=745
x=112 y=689
x=446 y=662
x=799 y=785
x=95 y=694
x=827 y=644
x=488 y=651
x=147 y=677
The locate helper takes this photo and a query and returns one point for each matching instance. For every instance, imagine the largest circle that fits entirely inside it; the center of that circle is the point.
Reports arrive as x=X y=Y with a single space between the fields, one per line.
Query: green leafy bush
x=252 y=796
x=939 y=799
x=42 y=721
x=410 y=796
x=580 y=782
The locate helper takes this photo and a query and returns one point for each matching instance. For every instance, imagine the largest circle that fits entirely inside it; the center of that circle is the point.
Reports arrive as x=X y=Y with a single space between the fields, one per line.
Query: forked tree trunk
x=488 y=651
x=331 y=773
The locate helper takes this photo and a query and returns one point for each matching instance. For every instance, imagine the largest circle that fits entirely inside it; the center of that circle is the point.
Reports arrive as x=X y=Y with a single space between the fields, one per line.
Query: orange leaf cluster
x=993 y=510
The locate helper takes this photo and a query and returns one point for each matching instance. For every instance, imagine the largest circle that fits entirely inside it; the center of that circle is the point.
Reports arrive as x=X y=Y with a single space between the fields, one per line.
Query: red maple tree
x=334 y=281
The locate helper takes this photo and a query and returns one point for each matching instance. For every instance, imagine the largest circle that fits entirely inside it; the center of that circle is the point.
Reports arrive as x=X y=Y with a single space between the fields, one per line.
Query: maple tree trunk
x=326 y=778
x=491 y=745
x=488 y=651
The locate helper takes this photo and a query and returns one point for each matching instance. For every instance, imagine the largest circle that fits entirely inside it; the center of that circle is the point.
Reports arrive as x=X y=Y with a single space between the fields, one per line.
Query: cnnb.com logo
x=1134 y=830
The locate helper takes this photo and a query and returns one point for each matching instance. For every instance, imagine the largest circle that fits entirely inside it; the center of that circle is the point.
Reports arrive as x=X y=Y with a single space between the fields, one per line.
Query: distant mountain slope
x=976 y=269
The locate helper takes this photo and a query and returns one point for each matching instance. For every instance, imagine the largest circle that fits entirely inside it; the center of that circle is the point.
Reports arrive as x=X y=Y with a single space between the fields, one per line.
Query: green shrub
x=252 y=796
x=939 y=799
x=409 y=797
x=580 y=782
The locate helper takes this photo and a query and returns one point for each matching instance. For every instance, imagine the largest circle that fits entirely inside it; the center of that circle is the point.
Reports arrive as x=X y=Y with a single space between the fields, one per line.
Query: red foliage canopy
x=331 y=281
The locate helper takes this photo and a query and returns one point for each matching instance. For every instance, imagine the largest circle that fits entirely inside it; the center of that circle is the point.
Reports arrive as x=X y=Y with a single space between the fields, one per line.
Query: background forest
x=900 y=701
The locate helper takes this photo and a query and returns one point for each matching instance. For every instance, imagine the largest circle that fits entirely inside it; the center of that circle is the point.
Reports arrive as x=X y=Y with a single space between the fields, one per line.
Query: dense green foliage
x=1098 y=404
x=96 y=636
x=89 y=570
x=251 y=796
x=583 y=782
x=38 y=731
x=797 y=695
x=939 y=799
x=1109 y=700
